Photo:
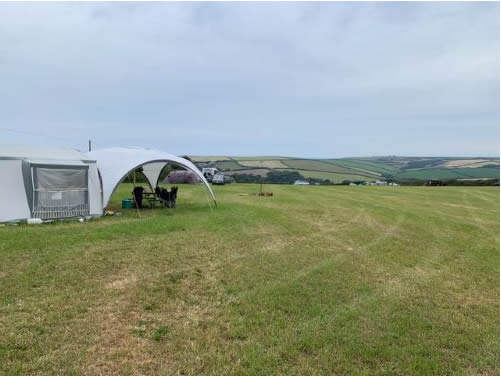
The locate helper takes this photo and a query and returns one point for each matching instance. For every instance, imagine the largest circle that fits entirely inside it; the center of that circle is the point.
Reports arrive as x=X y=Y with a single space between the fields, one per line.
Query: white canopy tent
x=47 y=183
x=53 y=183
x=116 y=163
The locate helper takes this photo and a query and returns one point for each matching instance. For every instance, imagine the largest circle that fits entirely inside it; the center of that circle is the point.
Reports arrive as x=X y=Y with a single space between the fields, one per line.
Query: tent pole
x=137 y=207
x=134 y=197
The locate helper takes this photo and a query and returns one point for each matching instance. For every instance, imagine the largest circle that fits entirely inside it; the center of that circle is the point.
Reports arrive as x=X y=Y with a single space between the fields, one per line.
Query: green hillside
x=402 y=169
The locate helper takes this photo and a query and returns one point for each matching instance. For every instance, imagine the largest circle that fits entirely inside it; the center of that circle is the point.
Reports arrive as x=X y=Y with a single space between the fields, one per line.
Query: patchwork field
x=364 y=169
x=316 y=280
x=449 y=173
x=336 y=178
x=209 y=158
x=266 y=164
x=254 y=171
x=468 y=163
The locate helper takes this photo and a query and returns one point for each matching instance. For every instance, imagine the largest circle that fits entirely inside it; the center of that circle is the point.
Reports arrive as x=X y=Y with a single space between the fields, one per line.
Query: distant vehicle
x=218 y=179
x=378 y=183
x=301 y=182
x=221 y=179
x=209 y=172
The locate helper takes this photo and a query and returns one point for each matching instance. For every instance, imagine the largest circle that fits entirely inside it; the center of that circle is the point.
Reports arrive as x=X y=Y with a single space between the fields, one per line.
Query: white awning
x=42 y=155
x=116 y=163
x=152 y=172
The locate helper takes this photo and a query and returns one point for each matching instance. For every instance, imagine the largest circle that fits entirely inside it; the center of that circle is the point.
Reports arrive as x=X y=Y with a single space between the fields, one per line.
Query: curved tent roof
x=40 y=154
x=116 y=163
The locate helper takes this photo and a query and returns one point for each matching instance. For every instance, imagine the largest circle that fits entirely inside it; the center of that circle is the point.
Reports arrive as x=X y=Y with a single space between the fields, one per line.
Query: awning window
x=60 y=192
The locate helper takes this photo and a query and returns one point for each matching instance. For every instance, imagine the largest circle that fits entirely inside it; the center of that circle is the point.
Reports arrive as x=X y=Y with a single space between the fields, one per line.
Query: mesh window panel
x=60 y=192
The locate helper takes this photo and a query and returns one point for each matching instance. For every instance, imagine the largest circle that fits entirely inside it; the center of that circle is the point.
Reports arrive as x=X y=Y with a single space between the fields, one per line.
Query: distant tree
x=277 y=177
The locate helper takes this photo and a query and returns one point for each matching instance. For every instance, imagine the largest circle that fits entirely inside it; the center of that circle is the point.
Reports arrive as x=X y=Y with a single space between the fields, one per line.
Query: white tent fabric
x=96 y=204
x=47 y=183
x=29 y=187
x=13 y=201
x=152 y=172
x=115 y=163
x=42 y=154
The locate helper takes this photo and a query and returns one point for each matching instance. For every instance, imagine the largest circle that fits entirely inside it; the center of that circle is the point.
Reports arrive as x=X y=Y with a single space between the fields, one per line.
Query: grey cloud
x=319 y=79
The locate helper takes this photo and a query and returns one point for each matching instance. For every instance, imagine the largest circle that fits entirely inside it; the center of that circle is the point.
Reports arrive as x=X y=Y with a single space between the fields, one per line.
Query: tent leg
x=134 y=197
x=137 y=207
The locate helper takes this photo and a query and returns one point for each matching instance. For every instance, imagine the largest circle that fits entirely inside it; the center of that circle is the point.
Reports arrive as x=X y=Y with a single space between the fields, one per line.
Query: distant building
x=380 y=183
x=301 y=182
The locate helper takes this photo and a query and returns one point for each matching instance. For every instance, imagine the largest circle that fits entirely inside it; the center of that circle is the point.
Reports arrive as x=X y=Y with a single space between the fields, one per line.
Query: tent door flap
x=60 y=192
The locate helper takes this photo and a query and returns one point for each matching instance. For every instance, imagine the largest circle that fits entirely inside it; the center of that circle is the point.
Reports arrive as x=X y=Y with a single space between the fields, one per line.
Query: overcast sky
x=293 y=79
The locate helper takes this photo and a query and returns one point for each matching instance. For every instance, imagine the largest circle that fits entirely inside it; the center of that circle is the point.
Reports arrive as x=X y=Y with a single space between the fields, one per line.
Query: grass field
x=276 y=163
x=229 y=165
x=257 y=158
x=316 y=280
x=197 y=158
x=450 y=173
x=367 y=165
x=307 y=164
x=334 y=177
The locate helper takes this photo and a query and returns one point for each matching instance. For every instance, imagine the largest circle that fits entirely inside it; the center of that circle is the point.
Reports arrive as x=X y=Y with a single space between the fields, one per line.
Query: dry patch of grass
x=116 y=349
x=468 y=163
x=122 y=283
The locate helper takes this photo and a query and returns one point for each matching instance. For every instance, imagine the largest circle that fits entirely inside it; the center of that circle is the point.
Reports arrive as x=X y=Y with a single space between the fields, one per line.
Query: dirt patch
x=468 y=163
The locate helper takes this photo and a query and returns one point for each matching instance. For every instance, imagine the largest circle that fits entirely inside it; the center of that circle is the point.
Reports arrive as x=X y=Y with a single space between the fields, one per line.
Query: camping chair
x=173 y=197
x=167 y=198
x=137 y=193
x=162 y=196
